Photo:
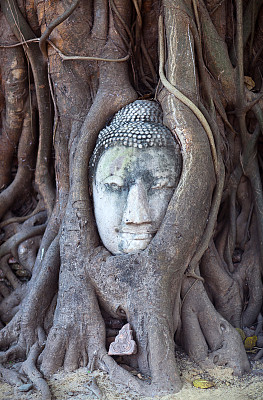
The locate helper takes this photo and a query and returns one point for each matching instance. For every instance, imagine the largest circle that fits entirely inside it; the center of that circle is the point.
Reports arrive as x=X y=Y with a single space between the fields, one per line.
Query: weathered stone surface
x=135 y=169
x=124 y=343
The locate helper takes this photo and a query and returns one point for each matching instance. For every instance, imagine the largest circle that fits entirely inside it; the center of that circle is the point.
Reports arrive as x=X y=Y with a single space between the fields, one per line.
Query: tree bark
x=76 y=65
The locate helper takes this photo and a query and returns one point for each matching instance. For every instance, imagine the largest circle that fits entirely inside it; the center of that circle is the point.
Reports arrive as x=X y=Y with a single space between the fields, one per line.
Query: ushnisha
x=139 y=125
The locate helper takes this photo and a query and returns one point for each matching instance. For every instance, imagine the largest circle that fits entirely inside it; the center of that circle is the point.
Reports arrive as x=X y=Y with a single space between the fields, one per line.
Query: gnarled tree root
x=30 y=369
x=121 y=376
x=208 y=338
x=12 y=377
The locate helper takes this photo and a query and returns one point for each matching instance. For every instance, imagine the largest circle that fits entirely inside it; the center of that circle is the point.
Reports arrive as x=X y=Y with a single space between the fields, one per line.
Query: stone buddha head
x=134 y=169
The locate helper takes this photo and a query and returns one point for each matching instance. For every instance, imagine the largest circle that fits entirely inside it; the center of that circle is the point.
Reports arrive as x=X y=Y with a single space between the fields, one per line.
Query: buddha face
x=132 y=188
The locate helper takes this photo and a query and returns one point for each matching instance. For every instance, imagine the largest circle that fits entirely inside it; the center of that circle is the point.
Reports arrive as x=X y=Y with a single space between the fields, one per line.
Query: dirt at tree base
x=75 y=386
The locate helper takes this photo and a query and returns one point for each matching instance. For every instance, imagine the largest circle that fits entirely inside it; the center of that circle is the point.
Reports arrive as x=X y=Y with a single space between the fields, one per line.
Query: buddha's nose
x=137 y=209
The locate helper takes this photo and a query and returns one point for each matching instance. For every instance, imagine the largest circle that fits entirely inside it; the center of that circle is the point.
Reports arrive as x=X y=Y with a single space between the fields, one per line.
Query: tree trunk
x=66 y=69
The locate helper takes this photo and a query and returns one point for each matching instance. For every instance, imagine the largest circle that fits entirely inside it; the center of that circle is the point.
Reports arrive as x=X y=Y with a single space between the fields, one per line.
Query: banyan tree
x=131 y=186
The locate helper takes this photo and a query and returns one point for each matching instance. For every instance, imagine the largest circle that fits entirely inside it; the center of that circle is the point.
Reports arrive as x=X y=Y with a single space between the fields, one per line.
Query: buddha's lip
x=137 y=236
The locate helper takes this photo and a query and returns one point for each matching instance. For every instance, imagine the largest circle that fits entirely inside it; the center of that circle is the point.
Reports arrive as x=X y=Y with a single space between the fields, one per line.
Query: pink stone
x=123 y=343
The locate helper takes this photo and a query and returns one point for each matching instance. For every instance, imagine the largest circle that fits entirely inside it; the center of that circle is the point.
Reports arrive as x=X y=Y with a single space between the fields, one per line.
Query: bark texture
x=66 y=69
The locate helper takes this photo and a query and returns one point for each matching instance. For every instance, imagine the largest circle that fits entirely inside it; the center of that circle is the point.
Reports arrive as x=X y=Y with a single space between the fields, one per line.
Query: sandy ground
x=227 y=387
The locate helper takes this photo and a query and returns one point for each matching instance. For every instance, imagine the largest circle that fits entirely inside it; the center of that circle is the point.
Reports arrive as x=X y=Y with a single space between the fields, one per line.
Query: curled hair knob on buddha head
x=139 y=125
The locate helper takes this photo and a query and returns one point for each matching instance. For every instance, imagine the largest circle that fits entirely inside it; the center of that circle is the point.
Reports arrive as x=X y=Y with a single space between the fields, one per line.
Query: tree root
x=9 y=306
x=15 y=352
x=14 y=83
x=94 y=388
x=217 y=56
x=12 y=377
x=27 y=371
x=65 y=57
x=30 y=369
x=10 y=333
x=249 y=272
x=208 y=338
x=23 y=32
x=74 y=334
x=78 y=330
x=39 y=208
x=121 y=376
x=20 y=237
x=22 y=328
x=21 y=185
x=237 y=294
x=259 y=355
x=172 y=89
x=224 y=290
x=8 y=273
x=52 y=26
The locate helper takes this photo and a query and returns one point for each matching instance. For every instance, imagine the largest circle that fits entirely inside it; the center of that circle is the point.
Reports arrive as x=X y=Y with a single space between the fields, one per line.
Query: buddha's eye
x=163 y=183
x=114 y=183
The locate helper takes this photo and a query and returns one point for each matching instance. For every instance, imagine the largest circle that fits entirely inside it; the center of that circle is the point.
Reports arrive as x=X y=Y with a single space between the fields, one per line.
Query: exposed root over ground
x=58 y=318
x=77 y=385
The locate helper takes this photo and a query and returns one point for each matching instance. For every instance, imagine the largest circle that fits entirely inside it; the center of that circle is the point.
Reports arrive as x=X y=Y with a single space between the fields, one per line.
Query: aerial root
x=53 y=25
x=30 y=369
